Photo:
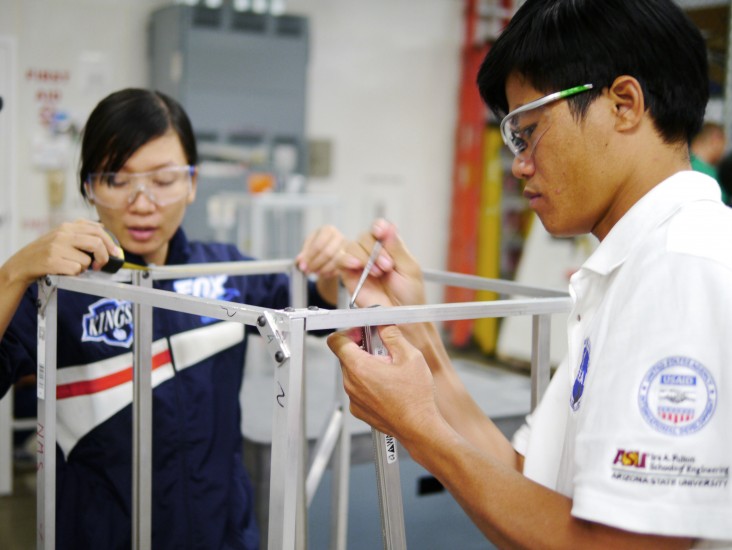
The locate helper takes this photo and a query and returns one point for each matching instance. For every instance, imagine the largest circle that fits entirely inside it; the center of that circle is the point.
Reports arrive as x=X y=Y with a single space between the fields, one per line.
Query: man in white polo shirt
x=632 y=444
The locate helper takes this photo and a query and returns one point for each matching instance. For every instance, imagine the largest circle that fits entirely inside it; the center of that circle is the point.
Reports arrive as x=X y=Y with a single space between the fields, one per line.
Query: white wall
x=8 y=121
x=382 y=87
x=70 y=53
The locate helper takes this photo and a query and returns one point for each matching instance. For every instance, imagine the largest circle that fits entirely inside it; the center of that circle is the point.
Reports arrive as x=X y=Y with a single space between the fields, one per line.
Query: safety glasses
x=522 y=128
x=120 y=189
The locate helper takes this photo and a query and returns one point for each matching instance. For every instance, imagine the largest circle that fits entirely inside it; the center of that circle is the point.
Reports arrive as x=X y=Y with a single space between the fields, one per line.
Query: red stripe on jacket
x=87 y=387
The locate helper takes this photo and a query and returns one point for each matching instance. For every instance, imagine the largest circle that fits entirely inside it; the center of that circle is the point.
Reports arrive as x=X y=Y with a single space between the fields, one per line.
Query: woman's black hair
x=559 y=44
x=126 y=120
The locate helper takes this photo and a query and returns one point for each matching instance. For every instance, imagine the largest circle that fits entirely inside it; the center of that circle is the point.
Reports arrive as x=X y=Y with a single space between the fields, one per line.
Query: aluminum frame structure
x=284 y=331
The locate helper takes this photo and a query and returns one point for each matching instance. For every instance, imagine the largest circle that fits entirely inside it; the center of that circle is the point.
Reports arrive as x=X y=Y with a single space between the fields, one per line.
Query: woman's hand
x=320 y=252
x=70 y=249
x=320 y=256
x=67 y=250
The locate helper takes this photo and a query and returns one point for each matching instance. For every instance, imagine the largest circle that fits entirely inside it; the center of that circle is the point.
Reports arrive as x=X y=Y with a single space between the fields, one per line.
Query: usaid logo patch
x=108 y=321
x=677 y=396
x=579 y=382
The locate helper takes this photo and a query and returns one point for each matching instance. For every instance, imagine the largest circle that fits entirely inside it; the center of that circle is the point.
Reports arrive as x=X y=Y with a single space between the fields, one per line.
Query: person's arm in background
x=63 y=251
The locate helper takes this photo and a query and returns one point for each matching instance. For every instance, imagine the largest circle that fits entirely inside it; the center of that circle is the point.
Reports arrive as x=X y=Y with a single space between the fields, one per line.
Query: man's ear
x=629 y=103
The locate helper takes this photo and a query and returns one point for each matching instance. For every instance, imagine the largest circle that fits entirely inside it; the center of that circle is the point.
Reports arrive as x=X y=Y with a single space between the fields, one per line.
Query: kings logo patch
x=108 y=321
x=677 y=396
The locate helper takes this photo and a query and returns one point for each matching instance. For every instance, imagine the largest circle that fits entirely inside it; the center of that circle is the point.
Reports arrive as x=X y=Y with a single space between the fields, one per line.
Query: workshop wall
x=382 y=92
x=69 y=54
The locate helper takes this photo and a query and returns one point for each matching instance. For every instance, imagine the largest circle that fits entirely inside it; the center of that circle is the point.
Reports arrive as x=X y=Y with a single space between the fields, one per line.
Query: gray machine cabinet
x=241 y=77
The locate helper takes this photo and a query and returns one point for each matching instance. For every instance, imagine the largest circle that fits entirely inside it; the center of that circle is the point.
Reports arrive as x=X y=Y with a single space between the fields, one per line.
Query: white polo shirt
x=636 y=426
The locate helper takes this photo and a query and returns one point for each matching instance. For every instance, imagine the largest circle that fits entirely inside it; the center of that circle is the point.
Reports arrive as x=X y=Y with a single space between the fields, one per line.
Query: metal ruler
x=386 y=460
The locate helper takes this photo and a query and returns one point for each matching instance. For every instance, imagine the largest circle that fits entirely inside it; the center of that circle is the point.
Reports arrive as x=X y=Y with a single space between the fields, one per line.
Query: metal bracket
x=48 y=281
x=273 y=337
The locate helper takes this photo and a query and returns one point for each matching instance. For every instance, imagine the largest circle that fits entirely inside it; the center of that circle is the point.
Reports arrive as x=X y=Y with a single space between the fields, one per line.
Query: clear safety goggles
x=120 y=189
x=523 y=127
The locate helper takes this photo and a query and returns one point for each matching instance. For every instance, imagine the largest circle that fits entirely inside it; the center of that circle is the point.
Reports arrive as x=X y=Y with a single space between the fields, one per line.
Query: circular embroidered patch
x=677 y=396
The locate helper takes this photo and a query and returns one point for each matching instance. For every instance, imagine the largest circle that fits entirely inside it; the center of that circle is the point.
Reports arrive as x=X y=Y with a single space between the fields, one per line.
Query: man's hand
x=395 y=394
x=395 y=279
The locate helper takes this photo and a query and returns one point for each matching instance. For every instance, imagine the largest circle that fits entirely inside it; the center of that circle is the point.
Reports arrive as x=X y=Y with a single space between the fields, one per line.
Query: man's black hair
x=126 y=120
x=724 y=175
x=559 y=44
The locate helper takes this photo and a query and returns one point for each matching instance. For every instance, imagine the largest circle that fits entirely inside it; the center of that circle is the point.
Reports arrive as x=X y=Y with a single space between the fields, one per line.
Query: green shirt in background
x=710 y=170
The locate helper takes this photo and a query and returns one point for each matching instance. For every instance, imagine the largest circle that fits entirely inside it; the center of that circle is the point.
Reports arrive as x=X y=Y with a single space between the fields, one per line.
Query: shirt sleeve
x=520 y=439
x=651 y=440
x=18 y=348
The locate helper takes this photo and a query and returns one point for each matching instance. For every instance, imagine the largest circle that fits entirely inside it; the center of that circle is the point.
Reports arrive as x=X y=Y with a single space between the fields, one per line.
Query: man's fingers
x=344 y=343
x=398 y=256
x=400 y=349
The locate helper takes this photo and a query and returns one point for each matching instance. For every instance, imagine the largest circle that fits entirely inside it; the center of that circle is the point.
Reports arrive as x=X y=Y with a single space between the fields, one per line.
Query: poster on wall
x=7 y=147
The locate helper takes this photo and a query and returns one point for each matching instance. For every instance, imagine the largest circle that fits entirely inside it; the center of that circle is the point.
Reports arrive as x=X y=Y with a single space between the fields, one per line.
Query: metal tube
x=223 y=268
x=481 y=283
x=164 y=299
x=287 y=469
x=322 y=453
x=341 y=472
x=341 y=456
x=298 y=287
x=46 y=414
x=432 y=313
x=540 y=362
x=142 y=420
x=7 y=425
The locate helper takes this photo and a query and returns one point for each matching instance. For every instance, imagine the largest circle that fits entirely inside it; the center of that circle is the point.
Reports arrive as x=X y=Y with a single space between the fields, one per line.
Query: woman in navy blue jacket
x=138 y=168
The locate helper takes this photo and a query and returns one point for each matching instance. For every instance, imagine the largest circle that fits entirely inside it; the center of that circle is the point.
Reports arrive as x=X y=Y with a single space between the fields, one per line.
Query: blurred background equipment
x=241 y=76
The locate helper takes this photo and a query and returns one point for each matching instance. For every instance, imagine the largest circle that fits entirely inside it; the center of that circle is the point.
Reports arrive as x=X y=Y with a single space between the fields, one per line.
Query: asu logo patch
x=677 y=396
x=634 y=459
x=108 y=321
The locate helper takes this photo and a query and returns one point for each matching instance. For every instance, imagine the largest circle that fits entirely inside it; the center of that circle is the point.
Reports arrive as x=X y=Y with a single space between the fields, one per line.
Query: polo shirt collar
x=650 y=211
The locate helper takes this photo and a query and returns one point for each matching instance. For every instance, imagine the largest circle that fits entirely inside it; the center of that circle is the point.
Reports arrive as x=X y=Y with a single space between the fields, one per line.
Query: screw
x=38 y=303
x=261 y=321
x=48 y=281
x=279 y=356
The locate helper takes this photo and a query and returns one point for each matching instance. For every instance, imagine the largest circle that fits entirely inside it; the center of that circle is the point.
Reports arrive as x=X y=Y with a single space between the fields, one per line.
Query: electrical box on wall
x=241 y=76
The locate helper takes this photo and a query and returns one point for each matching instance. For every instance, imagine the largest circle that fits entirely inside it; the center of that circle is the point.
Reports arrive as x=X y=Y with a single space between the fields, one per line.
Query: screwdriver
x=116 y=263
x=372 y=258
